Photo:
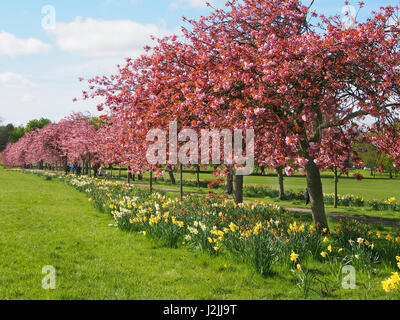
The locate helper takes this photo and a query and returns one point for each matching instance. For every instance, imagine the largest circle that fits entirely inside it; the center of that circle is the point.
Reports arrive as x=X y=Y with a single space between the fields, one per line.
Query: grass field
x=48 y=223
x=379 y=188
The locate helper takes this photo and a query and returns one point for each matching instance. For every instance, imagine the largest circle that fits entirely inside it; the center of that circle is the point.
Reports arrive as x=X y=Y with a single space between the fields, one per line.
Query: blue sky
x=39 y=68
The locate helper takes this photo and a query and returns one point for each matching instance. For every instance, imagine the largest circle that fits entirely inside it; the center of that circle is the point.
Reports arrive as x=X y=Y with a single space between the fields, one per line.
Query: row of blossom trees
x=71 y=140
x=308 y=86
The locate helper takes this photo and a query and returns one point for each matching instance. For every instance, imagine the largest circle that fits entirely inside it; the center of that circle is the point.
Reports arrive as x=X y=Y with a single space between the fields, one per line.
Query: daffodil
x=294 y=257
x=323 y=254
x=233 y=227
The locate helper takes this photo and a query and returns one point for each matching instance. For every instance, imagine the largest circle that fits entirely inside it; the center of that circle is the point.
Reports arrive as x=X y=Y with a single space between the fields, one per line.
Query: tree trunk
x=314 y=185
x=151 y=181
x=140 y=177
x=238 y=188
x=198 y=176
x=171 y=175
x=181 y=186
x=335 y=203
x=229 y=183
x=66 y=165
x=390 y=173
x=279 y=171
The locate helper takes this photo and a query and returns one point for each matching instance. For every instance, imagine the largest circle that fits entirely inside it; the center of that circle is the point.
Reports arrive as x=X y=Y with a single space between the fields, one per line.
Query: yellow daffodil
x=233 y=227
x=294 y=257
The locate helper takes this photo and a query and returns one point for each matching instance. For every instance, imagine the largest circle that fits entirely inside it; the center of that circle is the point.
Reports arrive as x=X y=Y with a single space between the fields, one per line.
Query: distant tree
x=4 y=135
x=16 y=134
x=36 y=124
x=32 y=125
x=370 y=156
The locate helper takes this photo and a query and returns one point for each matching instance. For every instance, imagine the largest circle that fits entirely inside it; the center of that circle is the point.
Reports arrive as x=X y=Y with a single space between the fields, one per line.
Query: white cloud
x=101 y=38
x=27 y=98
x=12 y=46
x=89 y=67
x=190 y=4
x=14 y=80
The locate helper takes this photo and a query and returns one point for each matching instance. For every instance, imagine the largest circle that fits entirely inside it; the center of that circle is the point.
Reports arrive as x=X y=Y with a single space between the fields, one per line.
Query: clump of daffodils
x=392 y=283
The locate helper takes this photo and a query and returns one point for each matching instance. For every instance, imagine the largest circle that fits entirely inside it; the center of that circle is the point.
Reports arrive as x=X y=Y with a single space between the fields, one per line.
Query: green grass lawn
x=379 y=188
x=48 y=223
x=44 y=222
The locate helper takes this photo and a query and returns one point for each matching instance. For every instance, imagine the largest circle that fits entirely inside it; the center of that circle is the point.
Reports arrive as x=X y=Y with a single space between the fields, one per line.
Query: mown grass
x=45 y=222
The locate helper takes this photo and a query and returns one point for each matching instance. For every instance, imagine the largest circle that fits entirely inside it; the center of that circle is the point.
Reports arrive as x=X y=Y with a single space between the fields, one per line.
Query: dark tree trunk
x=279 y=171
x=336 y=180
x=151 y=181
x=140 y=177
x=181 y=186
x=229 y=183
x=66 y=165
x=314 y=185
x=238 y=188
x=171 y=175
x=198 y=175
